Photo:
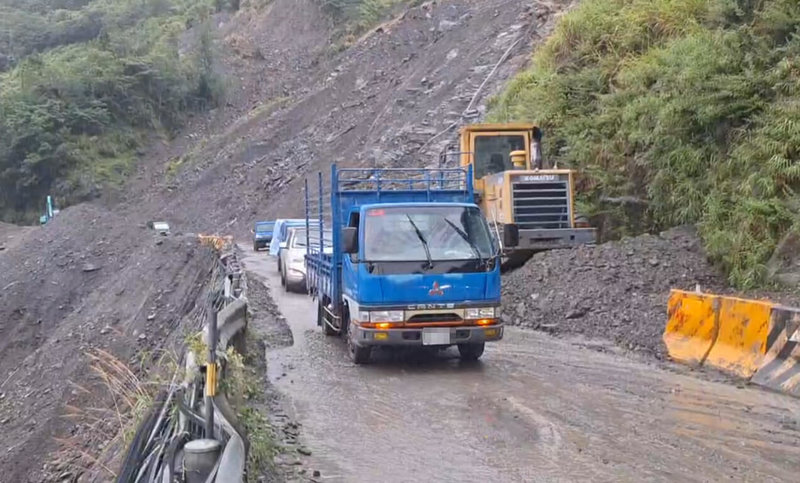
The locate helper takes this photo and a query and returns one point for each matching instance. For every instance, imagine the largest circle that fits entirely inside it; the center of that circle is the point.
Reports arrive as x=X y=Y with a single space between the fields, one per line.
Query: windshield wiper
x=463 y=235
x=423 y=240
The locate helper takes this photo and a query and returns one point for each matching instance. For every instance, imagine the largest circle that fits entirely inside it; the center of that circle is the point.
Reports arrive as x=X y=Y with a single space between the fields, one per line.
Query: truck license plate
x=436 y=336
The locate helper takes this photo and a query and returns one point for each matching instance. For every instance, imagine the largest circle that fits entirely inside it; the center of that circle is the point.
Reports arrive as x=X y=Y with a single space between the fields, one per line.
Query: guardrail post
x=211 y=371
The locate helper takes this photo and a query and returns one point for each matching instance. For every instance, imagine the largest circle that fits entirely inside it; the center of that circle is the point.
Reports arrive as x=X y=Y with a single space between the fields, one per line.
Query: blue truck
x=414 y=262
x=262 y=234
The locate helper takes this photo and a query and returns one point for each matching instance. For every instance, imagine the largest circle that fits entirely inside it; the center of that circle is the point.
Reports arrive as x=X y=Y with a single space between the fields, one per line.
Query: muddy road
x=534 y=408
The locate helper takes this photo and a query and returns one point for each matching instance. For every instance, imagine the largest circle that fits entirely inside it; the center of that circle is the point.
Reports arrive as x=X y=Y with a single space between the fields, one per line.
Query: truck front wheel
x=470 y=352
x=359 y=355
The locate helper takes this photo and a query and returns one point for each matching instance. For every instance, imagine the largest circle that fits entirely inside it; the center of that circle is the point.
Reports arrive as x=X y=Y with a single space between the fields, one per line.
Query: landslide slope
x=89 y=280
x=381 y=102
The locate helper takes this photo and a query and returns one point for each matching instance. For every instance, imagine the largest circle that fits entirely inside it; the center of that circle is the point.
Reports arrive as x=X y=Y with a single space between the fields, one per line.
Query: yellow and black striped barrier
x=752 y=339
x=780 y=369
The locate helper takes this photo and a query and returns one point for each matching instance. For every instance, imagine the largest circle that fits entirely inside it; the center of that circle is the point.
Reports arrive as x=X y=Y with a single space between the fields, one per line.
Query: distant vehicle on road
x=160 y=227
x=414 y=262
x=292 y=258
x=280 y=234
x=262 y=234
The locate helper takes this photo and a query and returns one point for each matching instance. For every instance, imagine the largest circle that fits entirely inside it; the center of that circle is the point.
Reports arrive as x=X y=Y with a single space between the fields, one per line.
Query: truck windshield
x=390 y=235
x=493 y=153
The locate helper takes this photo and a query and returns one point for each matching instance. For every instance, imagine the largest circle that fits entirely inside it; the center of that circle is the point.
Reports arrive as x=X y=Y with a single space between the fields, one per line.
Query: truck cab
x=411 y=266
x=262 y=234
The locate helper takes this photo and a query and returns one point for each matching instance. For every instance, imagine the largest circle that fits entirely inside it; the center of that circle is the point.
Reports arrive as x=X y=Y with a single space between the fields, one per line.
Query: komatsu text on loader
x=531 y=208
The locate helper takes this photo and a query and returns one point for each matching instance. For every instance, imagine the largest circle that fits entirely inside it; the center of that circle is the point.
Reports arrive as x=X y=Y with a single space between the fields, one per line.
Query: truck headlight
x=385 y=316
x=482 y=313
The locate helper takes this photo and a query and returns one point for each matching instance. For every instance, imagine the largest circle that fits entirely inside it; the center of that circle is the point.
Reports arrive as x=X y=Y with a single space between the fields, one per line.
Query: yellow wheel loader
x=531 y=208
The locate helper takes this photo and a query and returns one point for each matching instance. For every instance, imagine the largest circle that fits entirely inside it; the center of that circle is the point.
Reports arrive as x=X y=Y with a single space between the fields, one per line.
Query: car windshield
x=450 y=232
x=264 y=227
x=300 y=239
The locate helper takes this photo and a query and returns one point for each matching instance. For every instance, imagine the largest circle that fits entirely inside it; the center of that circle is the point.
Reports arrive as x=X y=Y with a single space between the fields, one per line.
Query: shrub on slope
x=690 y=105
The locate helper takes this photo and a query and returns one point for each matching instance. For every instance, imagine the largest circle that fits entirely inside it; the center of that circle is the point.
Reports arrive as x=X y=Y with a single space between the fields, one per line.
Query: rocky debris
x=51 y=319
x=616 y=291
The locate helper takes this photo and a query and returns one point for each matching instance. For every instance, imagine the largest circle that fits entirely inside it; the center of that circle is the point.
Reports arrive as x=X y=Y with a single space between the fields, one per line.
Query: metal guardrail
x=190 y=433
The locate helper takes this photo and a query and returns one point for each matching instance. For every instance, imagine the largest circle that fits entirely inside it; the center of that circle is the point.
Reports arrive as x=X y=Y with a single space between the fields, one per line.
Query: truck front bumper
x=553 y=239
x=412 y=336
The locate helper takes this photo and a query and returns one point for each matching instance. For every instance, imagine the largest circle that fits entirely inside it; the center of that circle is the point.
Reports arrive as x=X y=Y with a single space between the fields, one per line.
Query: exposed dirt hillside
x=90 y=279
x=382 y=102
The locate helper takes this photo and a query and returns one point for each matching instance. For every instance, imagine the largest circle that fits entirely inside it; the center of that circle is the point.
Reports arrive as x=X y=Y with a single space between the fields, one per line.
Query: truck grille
x=541 y=203
x=426 y=318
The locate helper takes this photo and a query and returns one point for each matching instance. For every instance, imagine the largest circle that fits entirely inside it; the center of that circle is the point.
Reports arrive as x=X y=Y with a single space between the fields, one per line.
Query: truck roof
x=498 y=127
x=422 y=204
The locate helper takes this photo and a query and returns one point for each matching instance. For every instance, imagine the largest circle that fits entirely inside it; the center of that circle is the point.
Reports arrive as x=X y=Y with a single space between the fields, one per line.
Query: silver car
x=292 y=260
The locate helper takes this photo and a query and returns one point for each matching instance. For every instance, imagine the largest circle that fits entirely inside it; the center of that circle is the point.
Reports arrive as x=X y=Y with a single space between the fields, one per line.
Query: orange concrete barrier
x=752 y=339
x=742 y=336
x=691 y=327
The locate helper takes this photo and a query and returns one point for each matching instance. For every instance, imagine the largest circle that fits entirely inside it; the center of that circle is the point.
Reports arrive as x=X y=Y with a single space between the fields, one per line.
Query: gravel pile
x=615 y=291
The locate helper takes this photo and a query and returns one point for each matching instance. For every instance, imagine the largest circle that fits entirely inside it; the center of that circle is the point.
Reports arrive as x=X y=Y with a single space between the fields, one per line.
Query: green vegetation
x=691 y=105
x=86 y=82
x=243 y=384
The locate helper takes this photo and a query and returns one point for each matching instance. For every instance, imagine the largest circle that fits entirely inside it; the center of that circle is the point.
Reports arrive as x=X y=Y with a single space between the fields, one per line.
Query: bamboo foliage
x=689 y=104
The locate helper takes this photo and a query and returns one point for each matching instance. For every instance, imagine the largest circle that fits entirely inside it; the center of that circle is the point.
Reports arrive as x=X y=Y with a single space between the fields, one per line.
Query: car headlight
x=482 y=313
x=382 y=316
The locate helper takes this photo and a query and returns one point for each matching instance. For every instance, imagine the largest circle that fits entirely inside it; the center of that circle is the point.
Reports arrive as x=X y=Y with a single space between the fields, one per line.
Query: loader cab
x=489 y=148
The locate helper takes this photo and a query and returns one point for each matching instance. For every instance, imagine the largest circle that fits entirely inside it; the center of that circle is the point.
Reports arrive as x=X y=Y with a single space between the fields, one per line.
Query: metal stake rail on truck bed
x=439 y=286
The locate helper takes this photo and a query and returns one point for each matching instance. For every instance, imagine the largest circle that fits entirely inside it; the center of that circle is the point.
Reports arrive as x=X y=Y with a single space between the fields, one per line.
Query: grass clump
x=243 y=385
x=691 y=105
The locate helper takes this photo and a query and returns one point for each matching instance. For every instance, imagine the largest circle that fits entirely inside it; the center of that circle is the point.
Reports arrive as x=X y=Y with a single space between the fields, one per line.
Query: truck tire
x=255 y=246
x=359 y=355
x=470 y=352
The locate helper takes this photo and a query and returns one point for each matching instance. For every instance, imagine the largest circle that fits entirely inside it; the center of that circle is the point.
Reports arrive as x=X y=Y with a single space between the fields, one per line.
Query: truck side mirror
x=510 y=235
x=350 y=239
